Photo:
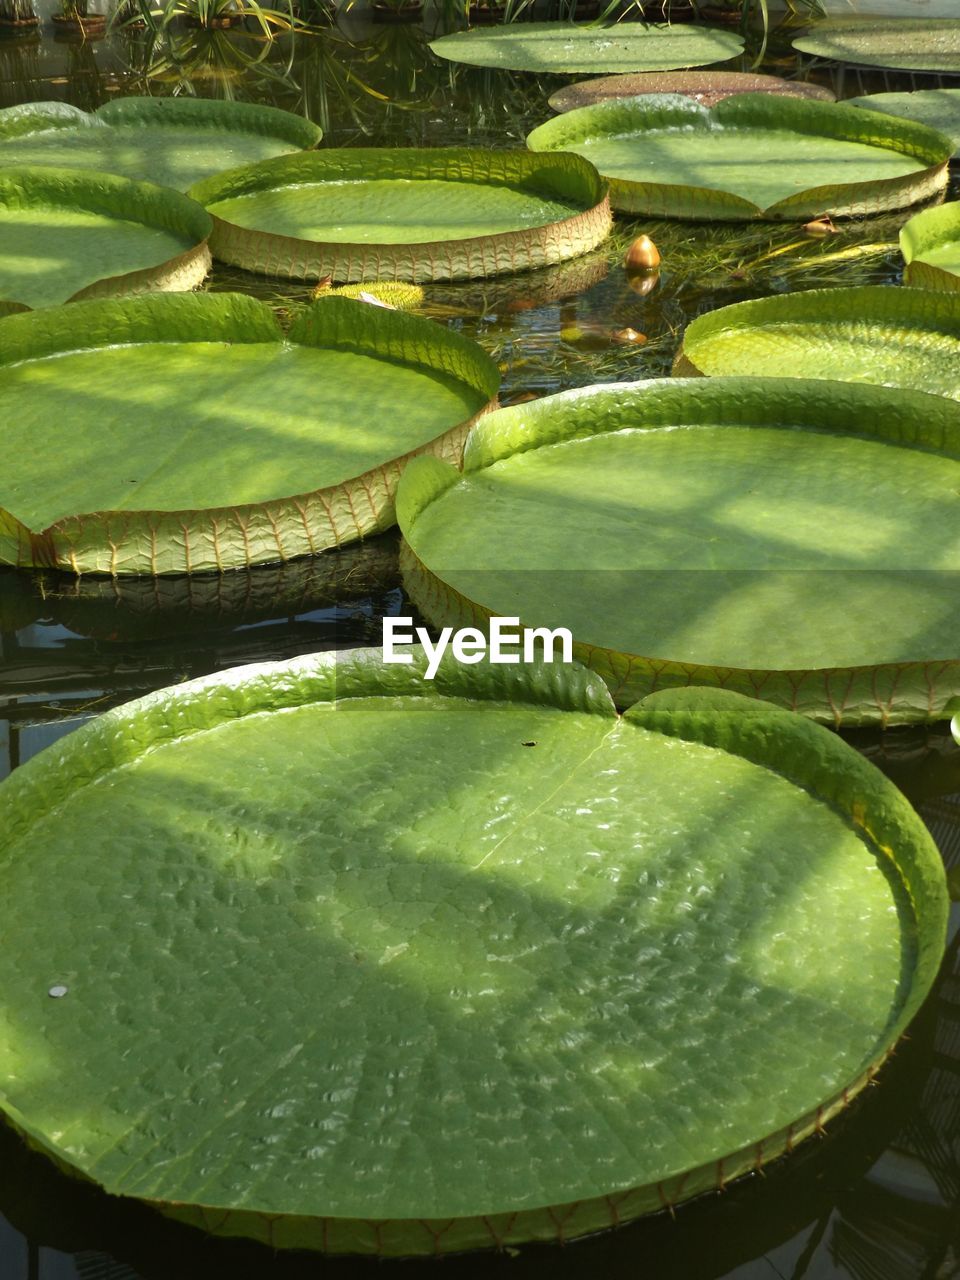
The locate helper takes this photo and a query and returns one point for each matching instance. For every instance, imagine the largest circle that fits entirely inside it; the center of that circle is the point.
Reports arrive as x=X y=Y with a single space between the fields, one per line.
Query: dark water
x=879 y=1197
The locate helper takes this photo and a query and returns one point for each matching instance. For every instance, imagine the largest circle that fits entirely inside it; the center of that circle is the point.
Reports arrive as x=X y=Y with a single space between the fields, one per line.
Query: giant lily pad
x=706 y=87
x=896 y=337
x=67 y=234
x=180 y=433
x=557 y=966
x=569 y=47
x=406 y=214
x=173 y=141
x=750 y=156
x=902 y=44
x=938 y=108
x=794 y=540
x=930 y=244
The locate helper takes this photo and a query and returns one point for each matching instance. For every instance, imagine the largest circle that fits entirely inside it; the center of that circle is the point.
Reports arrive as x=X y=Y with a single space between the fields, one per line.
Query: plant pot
x=409 y=12
x=719 y=15
x=91 y=24
x=17 y=26
x=219 y=21
x=683 y=11
x=483 y=15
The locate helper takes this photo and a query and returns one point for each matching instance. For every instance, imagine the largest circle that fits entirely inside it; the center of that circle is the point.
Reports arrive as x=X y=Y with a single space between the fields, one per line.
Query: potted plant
x=76 y=16
x=481 y=12
x=18 y=15
x=397 y=10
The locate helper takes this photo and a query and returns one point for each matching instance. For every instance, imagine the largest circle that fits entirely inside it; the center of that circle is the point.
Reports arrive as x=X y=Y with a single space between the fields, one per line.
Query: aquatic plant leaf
x=484 y=953
x=391 y=293
x=938 y=108
x=930 y=244
x=705 y=87
x=28 y=118
x=796 y=541
x=172 y=141
x=68 y=234
x=903 y=44
x=229 y=445
x=413 y=214
x=894 y=337
x=584 y=47
x=750 y=156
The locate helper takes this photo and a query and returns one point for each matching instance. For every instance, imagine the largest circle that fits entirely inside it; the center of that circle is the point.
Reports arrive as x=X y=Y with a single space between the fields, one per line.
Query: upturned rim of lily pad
x=141 y=111
x=814 y=312
x=672 y=112
x=822 y=768
x=930 y=229
x=225 y=117
x=347 y=261
x=902 y=104
x=155 y=542
x=916 y=688
x=26 y=186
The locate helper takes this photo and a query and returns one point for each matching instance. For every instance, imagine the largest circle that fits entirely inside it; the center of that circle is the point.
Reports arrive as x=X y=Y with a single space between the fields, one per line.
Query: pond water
x=879 y=1197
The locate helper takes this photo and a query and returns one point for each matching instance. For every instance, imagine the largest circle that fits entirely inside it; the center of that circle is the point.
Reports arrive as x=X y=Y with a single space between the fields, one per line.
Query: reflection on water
x=879 y=1197
x=70 y=648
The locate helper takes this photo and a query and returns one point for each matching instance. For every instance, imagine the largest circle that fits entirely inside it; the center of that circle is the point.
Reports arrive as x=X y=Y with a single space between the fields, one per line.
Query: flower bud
x=643 y=255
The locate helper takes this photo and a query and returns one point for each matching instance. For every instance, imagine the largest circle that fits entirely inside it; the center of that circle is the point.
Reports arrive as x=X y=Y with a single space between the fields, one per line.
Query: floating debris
x=823 y=226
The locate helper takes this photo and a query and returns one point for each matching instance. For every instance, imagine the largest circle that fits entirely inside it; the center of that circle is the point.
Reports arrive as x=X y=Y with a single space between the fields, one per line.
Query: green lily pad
x=68 y=234
x=705 y=87
x=182 y=433
x=750 y=156
x=441 y=213
x=930 y=244
x=902 y=44
x=438 y=934
x=938 y=108
x=796 y=540
x=895 y=337
x=570 y=47
x=173 y=141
